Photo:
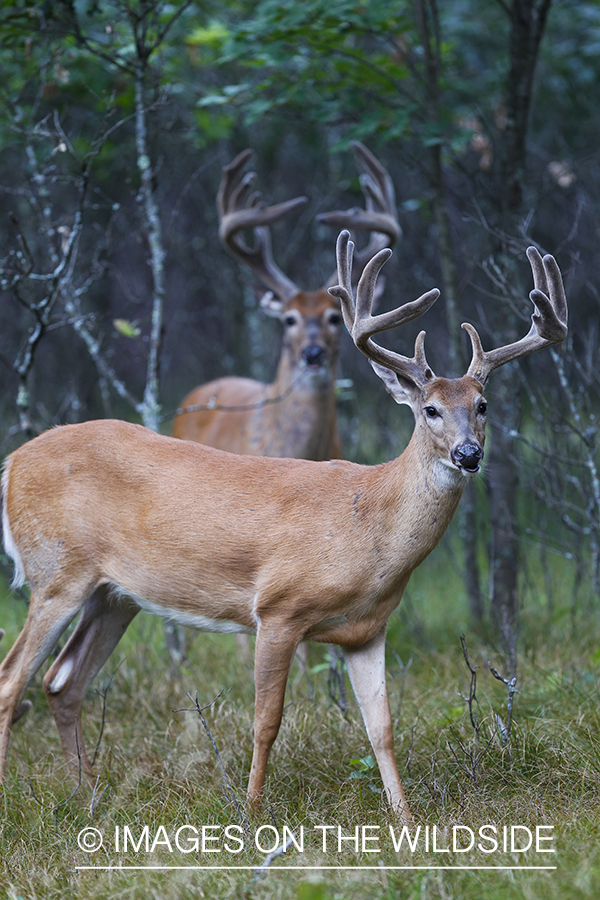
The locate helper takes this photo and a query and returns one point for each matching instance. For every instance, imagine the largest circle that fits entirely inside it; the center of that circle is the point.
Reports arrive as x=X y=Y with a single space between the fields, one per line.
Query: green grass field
x=157 y=768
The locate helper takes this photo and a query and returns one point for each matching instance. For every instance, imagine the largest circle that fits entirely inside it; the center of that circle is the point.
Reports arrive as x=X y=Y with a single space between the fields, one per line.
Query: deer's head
x=311 y=320
x=449 y=413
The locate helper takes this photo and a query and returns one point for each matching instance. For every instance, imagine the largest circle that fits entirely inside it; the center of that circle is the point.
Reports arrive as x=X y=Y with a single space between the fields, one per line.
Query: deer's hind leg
x=103 y=623
x=47 y=619
x=25 y=705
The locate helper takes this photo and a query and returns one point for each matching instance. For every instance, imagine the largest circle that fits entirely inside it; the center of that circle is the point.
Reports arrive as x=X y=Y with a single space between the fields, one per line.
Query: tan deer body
x=109 y=518
x=213 y=554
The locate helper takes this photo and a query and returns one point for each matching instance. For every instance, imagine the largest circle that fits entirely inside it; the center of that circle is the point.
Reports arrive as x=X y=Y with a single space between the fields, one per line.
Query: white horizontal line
x=258 y=868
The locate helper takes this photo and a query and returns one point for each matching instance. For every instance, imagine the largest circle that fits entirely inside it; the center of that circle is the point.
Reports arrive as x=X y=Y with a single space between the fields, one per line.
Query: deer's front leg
x=366 y=668
x=275 y=648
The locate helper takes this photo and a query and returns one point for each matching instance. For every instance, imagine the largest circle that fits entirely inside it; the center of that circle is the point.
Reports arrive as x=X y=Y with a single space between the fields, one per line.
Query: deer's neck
x=303 y=412
x=293 y=374
x=417 y=496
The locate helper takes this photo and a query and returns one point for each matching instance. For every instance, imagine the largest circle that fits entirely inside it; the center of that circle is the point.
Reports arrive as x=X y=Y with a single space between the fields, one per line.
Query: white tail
x=296 y=414
x=108 y=518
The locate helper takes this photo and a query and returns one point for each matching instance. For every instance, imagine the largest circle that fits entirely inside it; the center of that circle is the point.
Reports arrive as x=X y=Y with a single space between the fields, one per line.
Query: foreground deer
x=296 y=414
x=108 y=518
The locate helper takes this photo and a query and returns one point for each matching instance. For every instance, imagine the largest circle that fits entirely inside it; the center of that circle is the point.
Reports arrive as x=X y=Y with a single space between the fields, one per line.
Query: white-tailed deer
x=107 y=519
x=296 y=414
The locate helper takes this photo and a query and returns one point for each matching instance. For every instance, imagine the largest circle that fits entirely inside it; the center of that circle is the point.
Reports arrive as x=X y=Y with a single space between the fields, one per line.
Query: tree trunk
x=527 y=21
x=504 y=483
x=428 y=24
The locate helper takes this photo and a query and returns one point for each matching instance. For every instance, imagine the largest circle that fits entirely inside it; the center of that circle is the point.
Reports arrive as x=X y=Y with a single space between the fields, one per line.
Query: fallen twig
x=279 y=851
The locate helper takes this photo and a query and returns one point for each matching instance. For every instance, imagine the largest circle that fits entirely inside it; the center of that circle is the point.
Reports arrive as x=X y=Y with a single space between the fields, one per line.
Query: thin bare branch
x=229 y=792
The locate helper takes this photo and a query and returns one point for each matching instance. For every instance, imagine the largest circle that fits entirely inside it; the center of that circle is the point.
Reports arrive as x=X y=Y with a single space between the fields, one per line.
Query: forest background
x=116 y=297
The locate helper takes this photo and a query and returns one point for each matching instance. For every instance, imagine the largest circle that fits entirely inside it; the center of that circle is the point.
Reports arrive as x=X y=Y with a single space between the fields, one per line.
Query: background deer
x=296 y=414
x=108 y=518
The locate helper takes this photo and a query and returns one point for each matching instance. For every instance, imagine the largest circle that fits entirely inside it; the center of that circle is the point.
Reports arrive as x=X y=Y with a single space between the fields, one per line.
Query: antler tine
x=379 y=174
x=548 y=281
x=362 y=325
x=229 y=175
x=366 y=325
x=242 y=195
x=548 y=321
x=378 y=188
x=379 y=217
x=240 y=208
x=420 y=358
x=344 y=250
x=363 y=320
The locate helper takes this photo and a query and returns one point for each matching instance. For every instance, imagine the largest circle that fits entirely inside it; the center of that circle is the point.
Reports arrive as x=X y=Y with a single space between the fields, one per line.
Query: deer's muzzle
x=314 y=355
x=467 y=456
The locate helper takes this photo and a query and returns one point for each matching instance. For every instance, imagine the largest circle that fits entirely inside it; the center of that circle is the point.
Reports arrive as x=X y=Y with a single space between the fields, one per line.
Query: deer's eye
x=334 y=318
x=482 y=408
x=289 y=321
x=431 y=412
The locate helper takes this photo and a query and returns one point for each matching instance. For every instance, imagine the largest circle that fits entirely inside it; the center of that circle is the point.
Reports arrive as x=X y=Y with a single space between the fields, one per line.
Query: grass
x=157 y=768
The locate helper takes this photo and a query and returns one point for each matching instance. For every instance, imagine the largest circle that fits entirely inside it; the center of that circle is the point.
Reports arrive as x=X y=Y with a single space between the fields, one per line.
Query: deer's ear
x=403 y=390
x=270 y=304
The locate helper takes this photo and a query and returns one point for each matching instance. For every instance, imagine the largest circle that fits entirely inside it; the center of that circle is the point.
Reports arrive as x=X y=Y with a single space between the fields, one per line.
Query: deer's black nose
x=314 y=355
x=467 y=456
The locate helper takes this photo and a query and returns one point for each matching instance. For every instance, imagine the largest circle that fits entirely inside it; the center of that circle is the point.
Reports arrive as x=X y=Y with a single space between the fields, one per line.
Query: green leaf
x=126 y=328
x=213 y=36
x=310 y=891
x=366 y=763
